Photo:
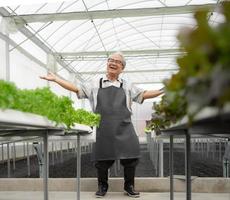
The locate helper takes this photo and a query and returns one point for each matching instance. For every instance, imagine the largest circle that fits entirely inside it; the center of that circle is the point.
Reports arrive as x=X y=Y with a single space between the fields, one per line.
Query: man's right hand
x=65 y=84
x=49 y=77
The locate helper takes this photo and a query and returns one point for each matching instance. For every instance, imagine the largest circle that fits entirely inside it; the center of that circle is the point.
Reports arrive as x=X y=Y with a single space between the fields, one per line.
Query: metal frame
x=42 y=128
x=208 y=123
x=65 y=59
x=125 y=52
x=130 y=71
x=104 y=14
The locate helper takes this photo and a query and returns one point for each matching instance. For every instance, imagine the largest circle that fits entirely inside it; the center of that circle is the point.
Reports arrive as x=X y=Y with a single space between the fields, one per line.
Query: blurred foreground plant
x=203 y=79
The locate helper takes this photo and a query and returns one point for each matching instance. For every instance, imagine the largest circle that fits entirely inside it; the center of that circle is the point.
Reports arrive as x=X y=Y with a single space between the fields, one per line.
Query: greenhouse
x=115 y=99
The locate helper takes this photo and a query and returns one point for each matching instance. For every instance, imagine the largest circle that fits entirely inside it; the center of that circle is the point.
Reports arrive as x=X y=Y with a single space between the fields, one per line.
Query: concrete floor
x=21 y=195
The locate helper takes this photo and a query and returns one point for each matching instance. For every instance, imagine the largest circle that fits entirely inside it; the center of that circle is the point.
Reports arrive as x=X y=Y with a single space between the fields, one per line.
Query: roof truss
x=143 y=52
x=104 y=14
x=131 y=71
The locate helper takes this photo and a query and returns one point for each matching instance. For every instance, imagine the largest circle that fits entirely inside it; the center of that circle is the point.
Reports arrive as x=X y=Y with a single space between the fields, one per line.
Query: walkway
x=16 y=195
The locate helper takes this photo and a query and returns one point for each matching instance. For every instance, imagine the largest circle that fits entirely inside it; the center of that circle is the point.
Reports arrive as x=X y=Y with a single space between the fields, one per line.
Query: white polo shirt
x=90 y=90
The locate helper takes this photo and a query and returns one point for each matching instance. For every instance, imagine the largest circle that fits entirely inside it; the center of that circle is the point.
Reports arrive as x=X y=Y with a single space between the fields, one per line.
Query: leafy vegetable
x=44 y=102
x=8 y=94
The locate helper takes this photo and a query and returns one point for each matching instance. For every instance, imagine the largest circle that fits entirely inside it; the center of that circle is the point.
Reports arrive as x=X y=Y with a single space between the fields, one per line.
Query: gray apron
x=115 y=136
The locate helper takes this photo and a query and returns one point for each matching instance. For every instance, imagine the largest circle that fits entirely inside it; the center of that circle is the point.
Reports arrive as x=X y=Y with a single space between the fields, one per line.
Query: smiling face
x=115 y=65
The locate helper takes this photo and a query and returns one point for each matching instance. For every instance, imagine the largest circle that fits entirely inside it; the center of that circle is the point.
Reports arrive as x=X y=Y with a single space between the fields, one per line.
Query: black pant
x=129 y=170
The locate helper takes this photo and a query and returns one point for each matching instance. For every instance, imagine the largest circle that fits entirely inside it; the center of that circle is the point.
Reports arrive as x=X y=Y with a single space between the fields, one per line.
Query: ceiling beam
x=104 y=14
x=125 y=53
x=131 y=71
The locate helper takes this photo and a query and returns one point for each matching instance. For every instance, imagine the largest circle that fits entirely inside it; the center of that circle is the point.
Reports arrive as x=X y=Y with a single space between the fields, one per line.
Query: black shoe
x=102 y=190
x=129 y=190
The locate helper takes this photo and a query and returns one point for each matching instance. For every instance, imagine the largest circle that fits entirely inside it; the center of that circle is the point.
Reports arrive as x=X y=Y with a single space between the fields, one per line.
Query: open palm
x=49 y=77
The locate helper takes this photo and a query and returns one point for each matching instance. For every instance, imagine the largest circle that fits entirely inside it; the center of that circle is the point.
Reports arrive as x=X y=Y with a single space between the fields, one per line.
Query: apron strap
x=100 y=82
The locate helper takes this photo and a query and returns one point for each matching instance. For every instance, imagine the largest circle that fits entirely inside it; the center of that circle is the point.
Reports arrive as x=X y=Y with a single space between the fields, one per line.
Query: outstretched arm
x=65 y=84
x=152 y=93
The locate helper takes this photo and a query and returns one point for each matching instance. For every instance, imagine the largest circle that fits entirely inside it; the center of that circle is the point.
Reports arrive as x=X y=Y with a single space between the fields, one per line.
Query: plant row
x=43 y=101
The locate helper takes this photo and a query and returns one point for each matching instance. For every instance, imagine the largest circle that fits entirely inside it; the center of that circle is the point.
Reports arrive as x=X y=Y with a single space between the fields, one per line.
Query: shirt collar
x=105 y=79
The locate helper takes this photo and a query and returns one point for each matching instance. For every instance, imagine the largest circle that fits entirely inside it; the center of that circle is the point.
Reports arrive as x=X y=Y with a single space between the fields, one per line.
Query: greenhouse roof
x=80 y=35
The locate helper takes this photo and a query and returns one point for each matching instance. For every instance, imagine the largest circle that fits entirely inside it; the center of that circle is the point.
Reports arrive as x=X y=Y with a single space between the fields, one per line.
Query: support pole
x=14 y=156
x=78 y=166
x=5 y=59
x=171 y=168
x=161 y=158
x=188 y=166
x=28 y=158
x=52 y=147
x=61 y=152
x=3 y=153
x=46 y=166
x=24 y=150
x=8 y=160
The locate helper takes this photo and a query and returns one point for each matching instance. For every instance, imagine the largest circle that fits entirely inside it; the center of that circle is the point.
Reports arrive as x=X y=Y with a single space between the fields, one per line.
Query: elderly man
x=111 y=97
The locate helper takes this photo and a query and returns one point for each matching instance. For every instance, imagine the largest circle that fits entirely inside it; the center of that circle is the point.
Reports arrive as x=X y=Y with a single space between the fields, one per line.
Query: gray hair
x=122 y=57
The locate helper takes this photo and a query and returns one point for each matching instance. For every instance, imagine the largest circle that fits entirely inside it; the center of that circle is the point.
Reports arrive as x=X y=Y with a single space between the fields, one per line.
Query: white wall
x=24 y=72
x=141 y=113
